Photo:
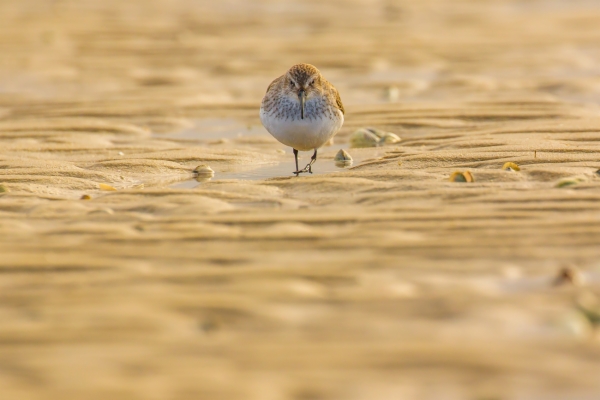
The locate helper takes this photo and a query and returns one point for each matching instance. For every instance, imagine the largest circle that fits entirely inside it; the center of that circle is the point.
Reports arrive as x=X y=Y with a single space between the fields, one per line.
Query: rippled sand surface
x=381 y=281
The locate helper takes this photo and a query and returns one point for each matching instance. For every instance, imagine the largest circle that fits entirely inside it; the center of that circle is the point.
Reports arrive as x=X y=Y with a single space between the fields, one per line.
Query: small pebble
x=85 y=197
x=568 y=276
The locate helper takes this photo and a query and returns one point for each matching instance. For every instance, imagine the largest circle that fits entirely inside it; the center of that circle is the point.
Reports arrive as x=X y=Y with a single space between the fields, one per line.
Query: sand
x=380 y=281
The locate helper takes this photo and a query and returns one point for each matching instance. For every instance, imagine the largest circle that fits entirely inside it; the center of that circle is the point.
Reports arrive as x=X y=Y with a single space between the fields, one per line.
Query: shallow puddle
x=217 y=128
x=228 y=128
x=287 y=166
x=213 y=129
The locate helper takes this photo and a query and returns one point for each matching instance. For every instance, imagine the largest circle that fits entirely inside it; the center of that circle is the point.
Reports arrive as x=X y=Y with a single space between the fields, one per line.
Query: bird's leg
x=296 y=157
x=309 y=165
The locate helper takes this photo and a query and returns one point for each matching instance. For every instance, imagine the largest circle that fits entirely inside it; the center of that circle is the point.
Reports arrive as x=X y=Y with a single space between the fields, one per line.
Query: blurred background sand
x=381 y=281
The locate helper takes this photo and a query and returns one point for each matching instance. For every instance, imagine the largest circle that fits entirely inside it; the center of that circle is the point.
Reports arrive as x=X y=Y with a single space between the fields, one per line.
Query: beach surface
x=125 y=276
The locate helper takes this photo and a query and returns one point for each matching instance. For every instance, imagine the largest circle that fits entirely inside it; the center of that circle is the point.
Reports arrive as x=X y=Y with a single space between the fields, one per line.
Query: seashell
x=204 y=169
x=390 y=138
x=364 y=138
x=106 y=188
x=343 y=159
x=569 y=182
x=204 y=173
x=85 y=197
x=4 y=189
x=461 y=177
x=377 y=132
x=342 y=155
x=121 y=153
x=510 y=166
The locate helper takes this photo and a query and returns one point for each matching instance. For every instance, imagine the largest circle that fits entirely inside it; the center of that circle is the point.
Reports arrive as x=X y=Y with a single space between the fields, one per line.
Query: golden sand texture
x=382 y=281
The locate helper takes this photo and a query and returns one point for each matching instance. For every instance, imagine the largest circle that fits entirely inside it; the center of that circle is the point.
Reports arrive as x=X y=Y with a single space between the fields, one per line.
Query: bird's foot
x=308 y=168
x=304 y=170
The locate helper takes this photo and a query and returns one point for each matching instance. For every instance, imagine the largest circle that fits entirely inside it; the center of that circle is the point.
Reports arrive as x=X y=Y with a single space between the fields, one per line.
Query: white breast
x=305 y=134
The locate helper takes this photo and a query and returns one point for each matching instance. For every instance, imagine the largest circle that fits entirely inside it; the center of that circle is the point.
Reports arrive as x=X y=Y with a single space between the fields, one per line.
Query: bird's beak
x=302 y=97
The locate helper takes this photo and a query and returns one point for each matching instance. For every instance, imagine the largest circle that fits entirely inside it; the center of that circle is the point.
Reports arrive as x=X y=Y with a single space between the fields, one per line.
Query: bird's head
x=302 y=81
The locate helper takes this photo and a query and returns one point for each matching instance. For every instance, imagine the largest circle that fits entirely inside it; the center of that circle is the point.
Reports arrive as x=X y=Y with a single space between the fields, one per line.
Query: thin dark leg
x=308 y=167
x=296 y=157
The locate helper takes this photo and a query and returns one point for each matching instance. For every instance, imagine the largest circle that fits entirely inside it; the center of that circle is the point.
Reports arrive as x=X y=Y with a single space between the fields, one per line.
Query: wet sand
x=383 y=280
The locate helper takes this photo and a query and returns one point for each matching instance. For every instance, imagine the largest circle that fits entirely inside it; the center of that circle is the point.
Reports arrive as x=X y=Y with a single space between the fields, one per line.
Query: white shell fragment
x=343 y=159
x=372 y=137
x=377 y=132
x=364 y=138
x=390 y=138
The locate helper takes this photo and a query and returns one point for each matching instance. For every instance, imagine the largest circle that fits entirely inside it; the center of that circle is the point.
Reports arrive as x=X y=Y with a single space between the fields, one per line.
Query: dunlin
x=302 y=110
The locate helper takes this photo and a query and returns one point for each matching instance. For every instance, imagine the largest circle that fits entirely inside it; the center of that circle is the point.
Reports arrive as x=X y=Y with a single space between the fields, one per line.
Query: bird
x=302 y=110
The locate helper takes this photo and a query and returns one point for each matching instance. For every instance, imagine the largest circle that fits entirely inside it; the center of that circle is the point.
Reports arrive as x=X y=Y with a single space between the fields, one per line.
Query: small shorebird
x=302 y=110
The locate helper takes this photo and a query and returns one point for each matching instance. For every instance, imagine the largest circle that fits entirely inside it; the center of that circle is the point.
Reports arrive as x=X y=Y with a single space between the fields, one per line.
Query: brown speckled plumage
x=301 y=75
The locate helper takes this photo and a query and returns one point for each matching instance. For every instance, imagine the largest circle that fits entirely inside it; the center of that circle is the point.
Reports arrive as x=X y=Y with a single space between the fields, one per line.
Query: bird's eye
x=292 y=84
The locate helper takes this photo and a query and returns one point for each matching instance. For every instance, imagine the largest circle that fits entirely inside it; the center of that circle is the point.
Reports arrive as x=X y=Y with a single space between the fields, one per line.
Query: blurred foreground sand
x=383 y=281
